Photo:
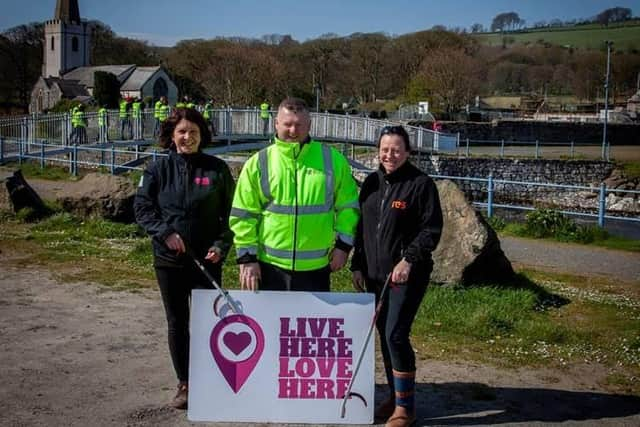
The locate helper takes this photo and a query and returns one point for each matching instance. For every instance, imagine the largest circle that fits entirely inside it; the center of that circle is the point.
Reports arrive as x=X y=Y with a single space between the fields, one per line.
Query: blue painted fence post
x=154 y=155
x=41 y=154
x=602 y=204
x=467 y=147
x=74 y=159
x=502 y=148
x=537 y=149
x=1 y=149
x=113 y=159
x=490 y=196
x=572 y=148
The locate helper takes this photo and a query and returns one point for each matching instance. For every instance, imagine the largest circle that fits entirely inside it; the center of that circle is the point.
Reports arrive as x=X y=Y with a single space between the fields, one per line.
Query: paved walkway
x=572 y=258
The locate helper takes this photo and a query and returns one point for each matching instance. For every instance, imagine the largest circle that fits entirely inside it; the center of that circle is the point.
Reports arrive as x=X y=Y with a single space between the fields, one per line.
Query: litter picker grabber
x=348 y=394
x=223 y=292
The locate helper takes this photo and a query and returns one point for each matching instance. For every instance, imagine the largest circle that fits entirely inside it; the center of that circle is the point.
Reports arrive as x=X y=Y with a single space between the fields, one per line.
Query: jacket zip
x=295 y=210
x=187 y=195
x=387 y=186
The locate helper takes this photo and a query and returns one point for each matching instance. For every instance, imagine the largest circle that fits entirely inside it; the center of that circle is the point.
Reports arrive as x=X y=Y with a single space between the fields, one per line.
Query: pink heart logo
x=237 y=342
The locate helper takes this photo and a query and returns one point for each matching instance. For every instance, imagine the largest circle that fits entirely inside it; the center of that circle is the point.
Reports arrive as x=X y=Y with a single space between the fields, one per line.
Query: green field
x=624 y=37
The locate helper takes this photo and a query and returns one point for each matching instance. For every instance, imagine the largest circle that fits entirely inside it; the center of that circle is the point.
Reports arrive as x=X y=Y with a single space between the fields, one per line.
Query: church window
x=74 y=44
x=53 y=46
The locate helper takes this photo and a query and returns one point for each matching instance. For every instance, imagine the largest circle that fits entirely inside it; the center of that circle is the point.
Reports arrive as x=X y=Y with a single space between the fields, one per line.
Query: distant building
x=66 y=70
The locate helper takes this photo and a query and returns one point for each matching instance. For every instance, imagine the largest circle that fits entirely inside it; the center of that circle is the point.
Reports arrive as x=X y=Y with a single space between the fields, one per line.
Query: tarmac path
x=572 y=258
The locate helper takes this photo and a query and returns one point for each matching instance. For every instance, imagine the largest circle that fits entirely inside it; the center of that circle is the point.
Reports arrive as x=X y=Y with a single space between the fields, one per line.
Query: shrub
x=549 y=223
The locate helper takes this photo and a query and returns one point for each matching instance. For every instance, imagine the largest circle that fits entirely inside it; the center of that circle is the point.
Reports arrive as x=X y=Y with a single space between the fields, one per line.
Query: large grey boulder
x=469 y=250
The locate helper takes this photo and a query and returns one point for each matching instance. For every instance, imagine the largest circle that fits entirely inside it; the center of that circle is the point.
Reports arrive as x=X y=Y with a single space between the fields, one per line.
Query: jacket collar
x=397 y=175
x=291 y=149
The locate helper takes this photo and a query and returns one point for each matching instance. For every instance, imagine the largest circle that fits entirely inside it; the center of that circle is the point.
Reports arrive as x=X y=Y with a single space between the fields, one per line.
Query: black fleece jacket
x=190 y=195
x=400 y=217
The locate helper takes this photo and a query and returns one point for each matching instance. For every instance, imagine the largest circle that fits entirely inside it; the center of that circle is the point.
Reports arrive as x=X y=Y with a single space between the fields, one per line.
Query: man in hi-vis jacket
x=295 y=209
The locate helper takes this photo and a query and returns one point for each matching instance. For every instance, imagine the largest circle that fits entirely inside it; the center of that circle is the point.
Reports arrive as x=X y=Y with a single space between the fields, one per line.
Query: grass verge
x=540 y=319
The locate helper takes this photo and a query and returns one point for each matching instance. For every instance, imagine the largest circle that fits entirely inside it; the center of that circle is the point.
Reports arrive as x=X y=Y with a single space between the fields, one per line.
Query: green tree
x=20 y=62
x=106 y=89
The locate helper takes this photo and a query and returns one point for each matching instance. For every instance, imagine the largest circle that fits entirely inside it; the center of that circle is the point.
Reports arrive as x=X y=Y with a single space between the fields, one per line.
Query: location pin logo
x=236 y=343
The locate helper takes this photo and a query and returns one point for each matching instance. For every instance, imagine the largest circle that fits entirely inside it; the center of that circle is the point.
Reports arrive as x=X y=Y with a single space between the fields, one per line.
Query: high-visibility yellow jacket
x=208 y=111
x=136 y=109
x=264 y=111
x=102 y=117
x=156 y=109
x=292 y=203
x=163 y=114
x=122 y=112
x=77 y=119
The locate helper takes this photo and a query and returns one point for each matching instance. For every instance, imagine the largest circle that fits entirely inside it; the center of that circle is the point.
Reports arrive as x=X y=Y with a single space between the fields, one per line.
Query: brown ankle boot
x=181 y=398
x=401 y=417
x=404 y=413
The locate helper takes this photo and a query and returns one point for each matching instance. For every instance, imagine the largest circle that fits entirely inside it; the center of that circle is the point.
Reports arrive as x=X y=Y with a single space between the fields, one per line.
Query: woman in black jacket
x=400 y=226
x=183 y=203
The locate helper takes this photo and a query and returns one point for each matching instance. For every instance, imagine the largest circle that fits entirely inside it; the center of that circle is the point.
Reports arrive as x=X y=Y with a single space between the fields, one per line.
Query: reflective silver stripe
x=346 y=238
x=263 y=164
x=243 y=213
x=352 y=205
x=280 y=253
x=249 y=250
x=328 y=170
x=302 y=210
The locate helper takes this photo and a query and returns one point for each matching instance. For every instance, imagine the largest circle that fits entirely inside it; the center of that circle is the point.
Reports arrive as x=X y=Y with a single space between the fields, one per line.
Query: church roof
x=67 y=11
x=69 y=88
x=85 y=74
x=139 y=77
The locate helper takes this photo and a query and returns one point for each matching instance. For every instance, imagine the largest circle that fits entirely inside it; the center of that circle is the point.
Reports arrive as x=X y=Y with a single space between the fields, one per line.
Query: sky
x=164 y=22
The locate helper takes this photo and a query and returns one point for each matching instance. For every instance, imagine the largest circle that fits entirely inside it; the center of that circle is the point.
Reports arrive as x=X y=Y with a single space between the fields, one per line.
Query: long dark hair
x=168 y=126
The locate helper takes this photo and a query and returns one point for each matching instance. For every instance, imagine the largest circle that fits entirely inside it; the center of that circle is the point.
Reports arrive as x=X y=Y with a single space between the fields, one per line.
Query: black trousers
x=175 y=285
x=278 y=279
x=398 y=311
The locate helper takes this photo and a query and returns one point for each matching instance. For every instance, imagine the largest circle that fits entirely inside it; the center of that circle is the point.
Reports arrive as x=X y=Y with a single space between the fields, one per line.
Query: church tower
x=67 y=40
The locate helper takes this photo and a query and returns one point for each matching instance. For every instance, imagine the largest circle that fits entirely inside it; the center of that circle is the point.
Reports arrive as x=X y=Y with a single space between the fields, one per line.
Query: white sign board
x=287 y=358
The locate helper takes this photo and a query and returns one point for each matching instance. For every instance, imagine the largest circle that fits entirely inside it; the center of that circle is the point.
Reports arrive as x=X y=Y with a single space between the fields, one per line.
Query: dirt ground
x=80 y=354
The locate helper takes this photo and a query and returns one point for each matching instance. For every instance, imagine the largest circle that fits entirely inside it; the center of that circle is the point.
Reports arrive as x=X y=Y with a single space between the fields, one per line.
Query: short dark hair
x=395 y=130
x=294 y=104
x=168 y=126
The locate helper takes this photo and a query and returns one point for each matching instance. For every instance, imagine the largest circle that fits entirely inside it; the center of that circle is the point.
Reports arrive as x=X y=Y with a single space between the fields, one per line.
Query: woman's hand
x=401 y=271
x=214 y=255
x=175 y=243
x=358 y=281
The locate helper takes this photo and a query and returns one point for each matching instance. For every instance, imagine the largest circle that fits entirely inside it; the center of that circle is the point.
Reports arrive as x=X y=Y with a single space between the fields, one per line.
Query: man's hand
x=250 y=276
x=338 y=259
x=358 y=281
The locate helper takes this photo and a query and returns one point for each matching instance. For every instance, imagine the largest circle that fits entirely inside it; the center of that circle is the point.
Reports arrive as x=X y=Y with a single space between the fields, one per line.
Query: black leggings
x=175 y=285
x=399 y=308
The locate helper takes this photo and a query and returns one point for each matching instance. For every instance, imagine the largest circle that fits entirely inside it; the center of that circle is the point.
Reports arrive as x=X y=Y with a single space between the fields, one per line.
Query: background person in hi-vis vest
x=295 y=209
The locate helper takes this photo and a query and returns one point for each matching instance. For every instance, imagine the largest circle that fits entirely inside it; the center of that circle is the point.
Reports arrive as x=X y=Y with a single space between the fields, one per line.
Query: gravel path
x=572 y=258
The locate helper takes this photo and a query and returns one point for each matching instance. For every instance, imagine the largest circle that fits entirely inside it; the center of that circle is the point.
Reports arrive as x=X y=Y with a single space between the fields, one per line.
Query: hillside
x=624 y=37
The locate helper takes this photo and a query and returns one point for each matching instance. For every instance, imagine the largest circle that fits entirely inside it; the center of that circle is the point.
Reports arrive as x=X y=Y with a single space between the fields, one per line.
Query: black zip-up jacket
x=190 y=195
x=400 y=217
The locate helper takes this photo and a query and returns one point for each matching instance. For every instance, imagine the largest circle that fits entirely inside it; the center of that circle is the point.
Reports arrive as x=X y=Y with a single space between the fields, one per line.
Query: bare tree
x=614 y=14
x=452 y=77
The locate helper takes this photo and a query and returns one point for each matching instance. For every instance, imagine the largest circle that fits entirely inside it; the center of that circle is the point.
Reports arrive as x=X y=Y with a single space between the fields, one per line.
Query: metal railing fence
x=56 y=128
x=127 y=156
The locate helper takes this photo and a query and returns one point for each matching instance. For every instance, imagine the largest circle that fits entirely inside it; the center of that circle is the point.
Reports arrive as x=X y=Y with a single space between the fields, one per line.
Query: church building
x=66 y=69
